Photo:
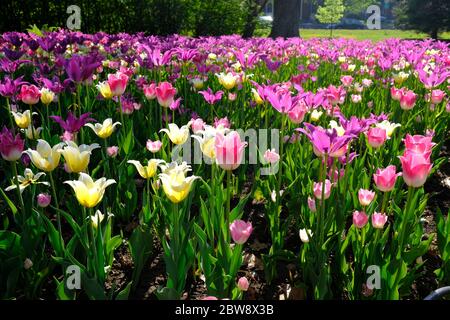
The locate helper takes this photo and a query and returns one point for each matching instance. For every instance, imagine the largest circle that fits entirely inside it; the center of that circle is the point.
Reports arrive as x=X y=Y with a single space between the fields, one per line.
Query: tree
x=331 y=12
x=286 y=18
x=430 y=16
x=253 y=10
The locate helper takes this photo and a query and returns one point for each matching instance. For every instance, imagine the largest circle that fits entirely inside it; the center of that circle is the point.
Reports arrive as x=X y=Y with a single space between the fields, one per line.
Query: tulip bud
x=379 y=220
x=43 y=200
x=112 y=151
x=360 y=219
x=27 y=264
x=305 y=235
x=243 y=284
x=240 y=231
x=365 y=197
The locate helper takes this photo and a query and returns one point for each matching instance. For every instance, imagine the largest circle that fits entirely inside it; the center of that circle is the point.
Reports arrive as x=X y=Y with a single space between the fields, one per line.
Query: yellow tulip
x=228 y=81
x=33 y=133
x=207 y=139
x=177 y=135
x=45 y=157
x=175 y=184
x=256 y=97
x=149 y=170
x=77 y=157
x=388 y=127
x=103 y=130
x=339 y=129
x=197 y=83
x=315 y=115
x=89 y=193
x=23 y=120
x=47 y=96
x=105 y=90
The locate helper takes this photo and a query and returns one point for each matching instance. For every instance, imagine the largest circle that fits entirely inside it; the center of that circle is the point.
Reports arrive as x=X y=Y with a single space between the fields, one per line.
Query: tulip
x=28 y=179
x=271 y=156
x=229 y=150
x=103 y=130
x=297 y=114
x=346 y=80
x=177 y=135
x=240 y=231
x=153 y=146
x=360 y=219
x=222 y=122
x=47 y=96
x=396 y=94
x=77 y=157
x=385 y=178
x=88 y=192
x=197 y=125
x=379 y=220
x=175 y=184
x=33 y=133
x=437 y=96
x=197 y=83
x=165 y=94
x=150 y=91
x=408 y=100
x=29 y=94
x=388 y=127
x=149 y=170
x=365 y=197
x=256 y=97
x=211 y=97
x=117 y=83
x=27 y=264
x=112 y=151
x=43 y=200
x=73 y=124
x=416 y=168
x=23 y=120
x=376 y=137
x=419 y=144
x=97 y=219
x=243 y=284
x=317 y=189
x=11 y=146
x=356 y=98
x=305 y=235
x=228 y=80
x=105 y=90
x=315 y=115
x=312 y=204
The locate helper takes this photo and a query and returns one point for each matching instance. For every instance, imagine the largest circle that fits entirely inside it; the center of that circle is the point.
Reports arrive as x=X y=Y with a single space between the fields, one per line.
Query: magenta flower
x=73 y=124
x=326 y=142
x=385 y=178
x=29 y=94
x=360 y=219
x=229 y=150
x=8 y=87
x=11 y=146
x=165 y=93
x=211 y=97
x=416 y=168
x=281 y=100
x=408 y=100
x=117 y=83
x=81 y=68
x=379 y=220
x=376 y=137
x=365 y=197
x=318 y=187
x=240 y=231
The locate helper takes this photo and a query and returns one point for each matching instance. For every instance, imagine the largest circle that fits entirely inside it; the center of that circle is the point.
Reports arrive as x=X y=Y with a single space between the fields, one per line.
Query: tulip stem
x=121 y=116
x=19 y=194
x=58 y=215
x=229 y=188
x=8 y=107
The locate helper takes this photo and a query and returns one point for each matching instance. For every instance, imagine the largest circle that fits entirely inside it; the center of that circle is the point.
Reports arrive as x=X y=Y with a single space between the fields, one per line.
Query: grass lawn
x=374 y=35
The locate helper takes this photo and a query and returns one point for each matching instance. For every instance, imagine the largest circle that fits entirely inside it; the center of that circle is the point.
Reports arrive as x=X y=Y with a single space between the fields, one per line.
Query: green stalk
x=19 y=194
x=8 y=107
x=228 y=204
x=58 y=215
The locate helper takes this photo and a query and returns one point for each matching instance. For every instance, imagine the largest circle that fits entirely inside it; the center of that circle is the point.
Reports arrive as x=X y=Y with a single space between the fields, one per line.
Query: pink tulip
x=271 y=156
x=416 y=168
x=165 y=93
x=356 y=98
x=365 y=197
x=197 y=125
x=43 y=200
x=297 y=114
x=118 y=83
x=385 y=178
x=243 y=284
x=29 y=94
x=229 y=150
x=312 y=204
x=153 y=146
x=376 y=137
x=379 y=220
x=224 y=122
x=317 y=189
x=408 y=100
x=346 y=80
x=112 y=151
x=437 y=96
x=11 y=146
x=240 y=231
x=396 y=94
x=360 y=219
x=419 y=144
x=150 y=91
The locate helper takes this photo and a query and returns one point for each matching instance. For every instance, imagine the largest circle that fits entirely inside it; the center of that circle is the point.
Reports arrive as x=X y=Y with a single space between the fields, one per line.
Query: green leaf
x=124 y=294
x=9 y=202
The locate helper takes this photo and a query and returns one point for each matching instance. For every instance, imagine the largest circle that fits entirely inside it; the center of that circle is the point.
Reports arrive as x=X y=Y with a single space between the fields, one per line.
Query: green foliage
x=431 y=16
x=331 y=12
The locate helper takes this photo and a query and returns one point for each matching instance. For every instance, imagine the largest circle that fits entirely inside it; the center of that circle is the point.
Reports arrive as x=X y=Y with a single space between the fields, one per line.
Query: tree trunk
x=286 y=18
x=434 y=34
